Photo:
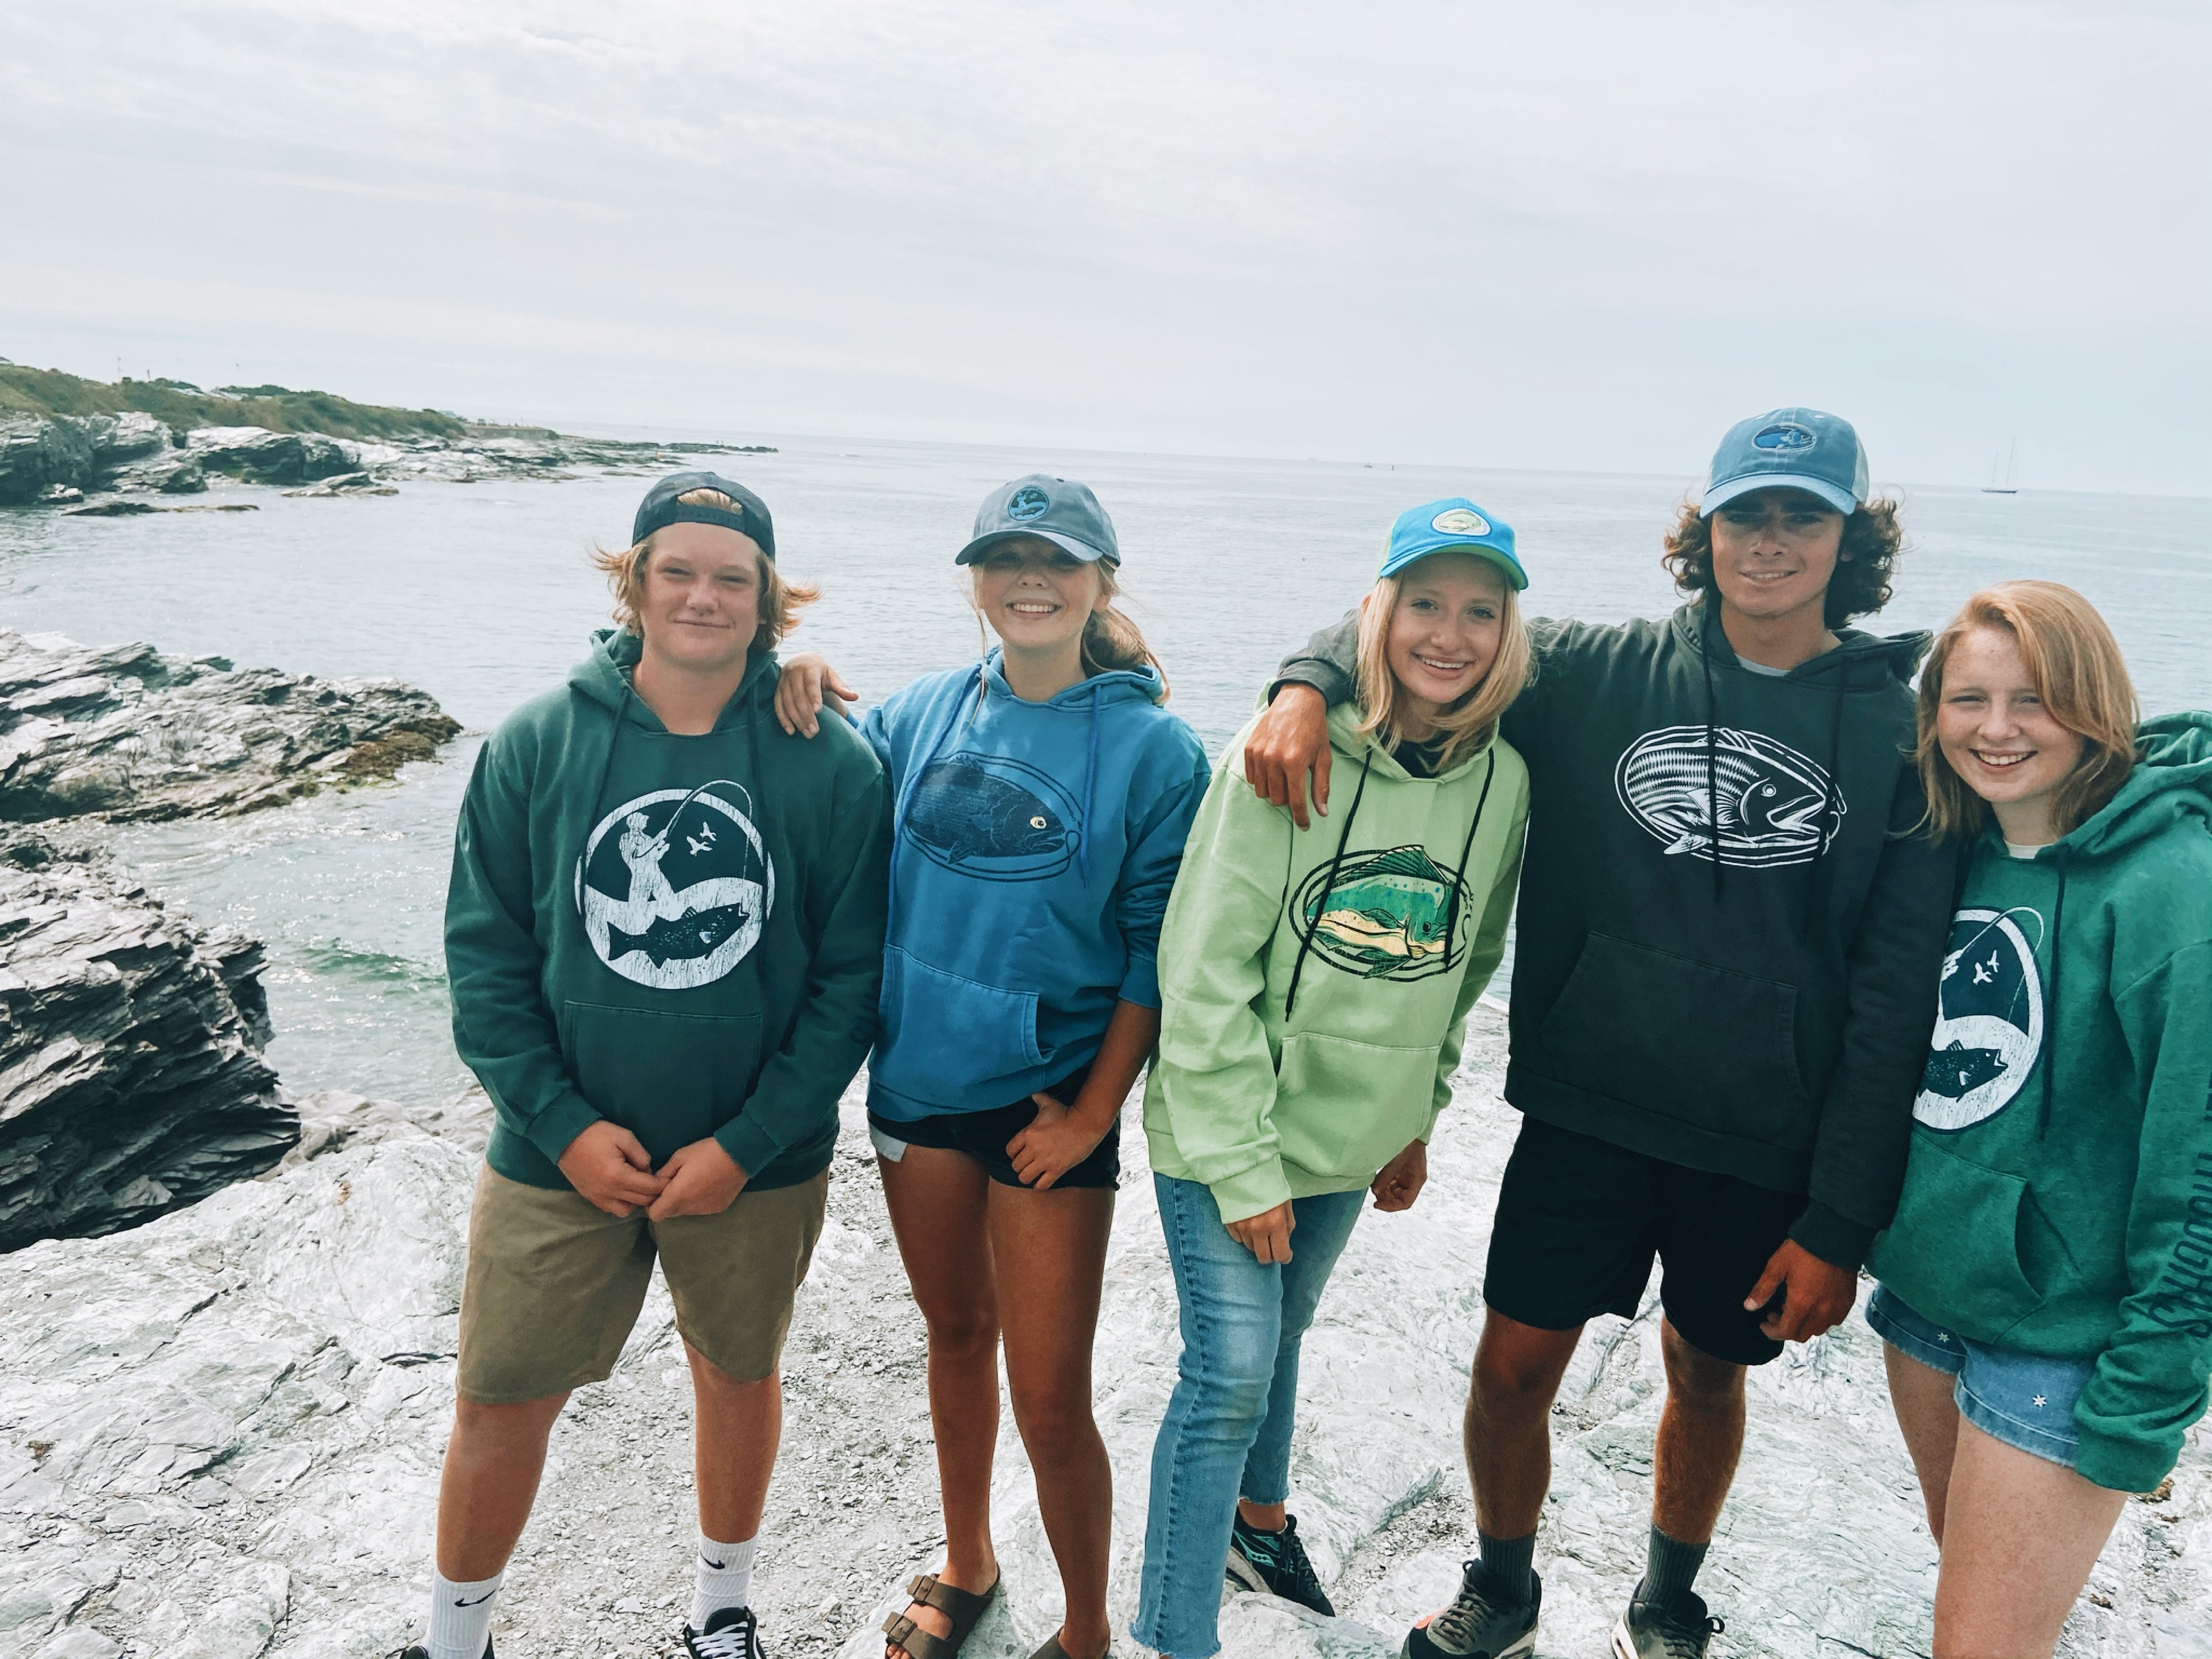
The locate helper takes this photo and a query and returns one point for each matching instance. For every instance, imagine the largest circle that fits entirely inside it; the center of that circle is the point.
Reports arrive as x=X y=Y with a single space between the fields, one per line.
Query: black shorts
x=983 y=1136
x=1579 y=1220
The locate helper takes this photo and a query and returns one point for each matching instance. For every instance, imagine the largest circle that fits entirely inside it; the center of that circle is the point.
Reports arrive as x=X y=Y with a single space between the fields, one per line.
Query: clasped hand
x=1057 y=1140
x=609 y=1165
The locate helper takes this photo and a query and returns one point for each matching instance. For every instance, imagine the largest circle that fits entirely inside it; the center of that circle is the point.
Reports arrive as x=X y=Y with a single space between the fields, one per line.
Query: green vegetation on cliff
x=180 y=404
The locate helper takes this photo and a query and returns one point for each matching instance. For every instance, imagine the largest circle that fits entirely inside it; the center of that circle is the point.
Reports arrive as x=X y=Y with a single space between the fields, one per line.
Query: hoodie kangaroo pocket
x=1962 y=1241
x=1708 y=1045
x=669 y=1079
x=1346 y=1109
x=942 y=1035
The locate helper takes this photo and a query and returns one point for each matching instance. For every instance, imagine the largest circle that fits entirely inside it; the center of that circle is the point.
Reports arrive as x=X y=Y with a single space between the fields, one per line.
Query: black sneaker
x=1677 y=1628
x=418 y=1651
x=1274 y=1564
x=731 y=1633
x=1479 y=1623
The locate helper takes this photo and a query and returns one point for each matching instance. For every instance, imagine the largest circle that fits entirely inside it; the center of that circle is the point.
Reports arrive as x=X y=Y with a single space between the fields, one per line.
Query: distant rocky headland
x=97 y=448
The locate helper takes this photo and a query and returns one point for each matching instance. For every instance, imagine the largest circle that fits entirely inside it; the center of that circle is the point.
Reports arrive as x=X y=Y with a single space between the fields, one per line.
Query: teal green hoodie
x=682 y=934
x=2058 y=1196
x=1386 y=922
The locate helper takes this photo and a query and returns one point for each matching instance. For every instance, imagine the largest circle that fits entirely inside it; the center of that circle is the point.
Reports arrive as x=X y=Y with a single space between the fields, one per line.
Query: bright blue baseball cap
x=1060 y=510
x=1796 y=448
x=1454 y=523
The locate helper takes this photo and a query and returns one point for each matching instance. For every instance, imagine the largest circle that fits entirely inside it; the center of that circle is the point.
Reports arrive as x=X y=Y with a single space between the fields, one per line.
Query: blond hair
x=1468 y=723
x=2074 y=665
x=782 y=599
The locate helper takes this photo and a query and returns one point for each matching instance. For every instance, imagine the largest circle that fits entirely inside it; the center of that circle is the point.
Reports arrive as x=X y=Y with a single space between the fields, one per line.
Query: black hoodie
x=1766 y=1014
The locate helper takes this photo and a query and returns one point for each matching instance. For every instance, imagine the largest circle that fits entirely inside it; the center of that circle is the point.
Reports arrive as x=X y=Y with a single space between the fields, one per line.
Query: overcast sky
x=1575 y=236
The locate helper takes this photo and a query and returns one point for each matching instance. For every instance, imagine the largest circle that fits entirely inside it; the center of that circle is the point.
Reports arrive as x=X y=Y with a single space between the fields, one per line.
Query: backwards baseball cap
x=1796 y=448
x=1454 y=524
x=662 y=508
x=1063 y=512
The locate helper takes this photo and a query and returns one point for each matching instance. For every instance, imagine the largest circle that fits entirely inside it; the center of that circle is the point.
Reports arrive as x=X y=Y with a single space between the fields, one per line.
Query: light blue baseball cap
x=1452 y=523
x=1060 y=510
x=1798 y=448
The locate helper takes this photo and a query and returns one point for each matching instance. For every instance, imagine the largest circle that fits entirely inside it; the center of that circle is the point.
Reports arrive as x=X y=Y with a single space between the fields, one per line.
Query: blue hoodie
x=1033 y=847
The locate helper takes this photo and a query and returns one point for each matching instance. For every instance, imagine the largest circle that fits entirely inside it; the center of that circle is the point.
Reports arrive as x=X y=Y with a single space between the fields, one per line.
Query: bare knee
x=969 y=1331
x=1053 y=1420
x=711 y=1381
x=478 y=1425
x=1517 y=1368
x=1696 y=1379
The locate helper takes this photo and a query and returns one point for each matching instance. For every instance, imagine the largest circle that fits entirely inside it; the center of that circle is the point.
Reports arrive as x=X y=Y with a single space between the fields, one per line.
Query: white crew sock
x=460 y=1616
x=725 y=1578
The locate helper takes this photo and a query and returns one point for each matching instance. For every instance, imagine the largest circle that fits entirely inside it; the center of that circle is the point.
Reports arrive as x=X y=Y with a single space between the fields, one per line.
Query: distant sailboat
x=2001 y=474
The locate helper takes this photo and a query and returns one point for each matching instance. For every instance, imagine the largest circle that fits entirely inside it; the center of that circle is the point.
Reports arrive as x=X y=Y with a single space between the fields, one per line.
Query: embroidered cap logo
x=1461 y=521
x=1782 y=434
x=1029 y=502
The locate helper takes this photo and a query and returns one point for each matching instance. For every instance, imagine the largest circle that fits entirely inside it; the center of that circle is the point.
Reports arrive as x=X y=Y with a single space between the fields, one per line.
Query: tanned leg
x=492 y=1466
x=2021 y=1537
x=1508 y=1427
x=1050 y=1252
x=739 y=1424
x=1928 y=1417
x=1700 y=1438
x=938 y=1204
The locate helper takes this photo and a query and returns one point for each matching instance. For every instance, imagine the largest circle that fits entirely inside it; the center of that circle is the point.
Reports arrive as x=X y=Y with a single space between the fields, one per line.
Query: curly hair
x=1873 y=538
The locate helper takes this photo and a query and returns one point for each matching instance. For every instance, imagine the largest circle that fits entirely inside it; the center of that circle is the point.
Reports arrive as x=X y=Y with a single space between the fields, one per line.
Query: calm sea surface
x=481 y=594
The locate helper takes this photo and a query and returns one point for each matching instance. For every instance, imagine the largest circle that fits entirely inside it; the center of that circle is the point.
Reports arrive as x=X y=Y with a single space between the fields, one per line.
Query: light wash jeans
x=1227 y=1433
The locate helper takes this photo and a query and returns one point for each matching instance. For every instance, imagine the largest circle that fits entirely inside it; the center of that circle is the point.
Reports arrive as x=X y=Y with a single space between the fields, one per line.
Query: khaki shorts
x=555 y=1283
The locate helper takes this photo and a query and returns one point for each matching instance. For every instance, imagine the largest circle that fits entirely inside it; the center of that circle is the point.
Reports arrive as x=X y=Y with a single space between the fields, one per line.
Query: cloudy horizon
x=1489 y=236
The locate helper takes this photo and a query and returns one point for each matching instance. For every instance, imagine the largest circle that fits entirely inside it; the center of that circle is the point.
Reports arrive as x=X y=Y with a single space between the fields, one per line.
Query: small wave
x=367 y=967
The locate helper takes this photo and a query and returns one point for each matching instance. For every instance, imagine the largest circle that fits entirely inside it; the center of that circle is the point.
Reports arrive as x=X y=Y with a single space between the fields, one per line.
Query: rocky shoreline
x=70 y=461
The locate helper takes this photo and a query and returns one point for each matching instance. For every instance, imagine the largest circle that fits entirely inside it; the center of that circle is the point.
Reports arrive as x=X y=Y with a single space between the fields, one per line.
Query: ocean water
x=483 y=594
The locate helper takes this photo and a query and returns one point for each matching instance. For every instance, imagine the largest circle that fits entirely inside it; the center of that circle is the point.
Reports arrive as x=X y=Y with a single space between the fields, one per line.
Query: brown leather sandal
x=964 y=1607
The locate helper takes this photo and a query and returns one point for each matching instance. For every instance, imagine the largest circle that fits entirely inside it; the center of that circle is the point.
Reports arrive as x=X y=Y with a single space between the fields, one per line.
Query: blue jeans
x=1227 y=1433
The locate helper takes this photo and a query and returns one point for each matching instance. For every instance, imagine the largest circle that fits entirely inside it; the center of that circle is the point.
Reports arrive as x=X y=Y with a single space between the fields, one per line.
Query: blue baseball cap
x=1063 y=512
x=1455 y=523
x=663 y=507
x=1797 y=448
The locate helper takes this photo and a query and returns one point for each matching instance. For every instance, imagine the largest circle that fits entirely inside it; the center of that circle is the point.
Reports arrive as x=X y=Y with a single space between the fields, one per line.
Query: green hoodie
x=682 y=934
x=2059 y=1197
x=1387 y=923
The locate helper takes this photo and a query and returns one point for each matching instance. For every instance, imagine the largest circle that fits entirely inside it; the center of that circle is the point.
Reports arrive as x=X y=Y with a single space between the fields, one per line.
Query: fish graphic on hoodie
x=1034 y=845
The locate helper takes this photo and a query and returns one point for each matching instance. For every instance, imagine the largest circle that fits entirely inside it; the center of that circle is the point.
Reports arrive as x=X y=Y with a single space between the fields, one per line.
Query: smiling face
x=1995 y=734
x=1035 y=595
x=1774 y=551
x=1444 y=630
x=701 y=607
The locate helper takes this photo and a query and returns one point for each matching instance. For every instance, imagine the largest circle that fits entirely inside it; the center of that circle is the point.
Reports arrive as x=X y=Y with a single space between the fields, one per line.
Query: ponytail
x=1111 y=641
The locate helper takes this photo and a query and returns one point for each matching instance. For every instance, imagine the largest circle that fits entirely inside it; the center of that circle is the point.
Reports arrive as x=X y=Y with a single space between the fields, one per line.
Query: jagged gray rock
x=347 y=483
x=40 y=456
x=128 y=733
x=131 y=1081
x=221 y=1433
x=261 y=456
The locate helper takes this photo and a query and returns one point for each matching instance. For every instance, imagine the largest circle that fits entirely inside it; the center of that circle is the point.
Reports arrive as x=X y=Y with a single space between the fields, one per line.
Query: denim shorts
x=2025 y=1400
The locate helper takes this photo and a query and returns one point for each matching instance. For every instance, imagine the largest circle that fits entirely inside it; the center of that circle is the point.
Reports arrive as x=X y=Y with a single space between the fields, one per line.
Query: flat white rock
x=220 y=1434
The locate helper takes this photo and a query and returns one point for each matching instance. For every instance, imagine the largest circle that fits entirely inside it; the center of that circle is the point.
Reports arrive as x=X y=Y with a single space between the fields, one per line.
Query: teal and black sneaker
x=1274 y=1564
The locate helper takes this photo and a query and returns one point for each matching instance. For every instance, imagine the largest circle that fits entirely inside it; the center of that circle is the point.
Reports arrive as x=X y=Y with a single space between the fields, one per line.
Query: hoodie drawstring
x=1089 y=783
x=1466 y=852
x=1305 y=944
x=1713 y=764
x=2050 y=1055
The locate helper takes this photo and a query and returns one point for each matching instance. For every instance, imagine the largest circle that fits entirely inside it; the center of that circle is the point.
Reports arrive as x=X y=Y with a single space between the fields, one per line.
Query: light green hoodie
x=1264 y=1099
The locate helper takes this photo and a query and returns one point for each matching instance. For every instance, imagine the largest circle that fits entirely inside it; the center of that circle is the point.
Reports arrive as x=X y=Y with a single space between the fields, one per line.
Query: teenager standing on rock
x=665 y=940
x=2046 y=1287
x=1317 y=987
x=1720 y=1007
x=1041 y=796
